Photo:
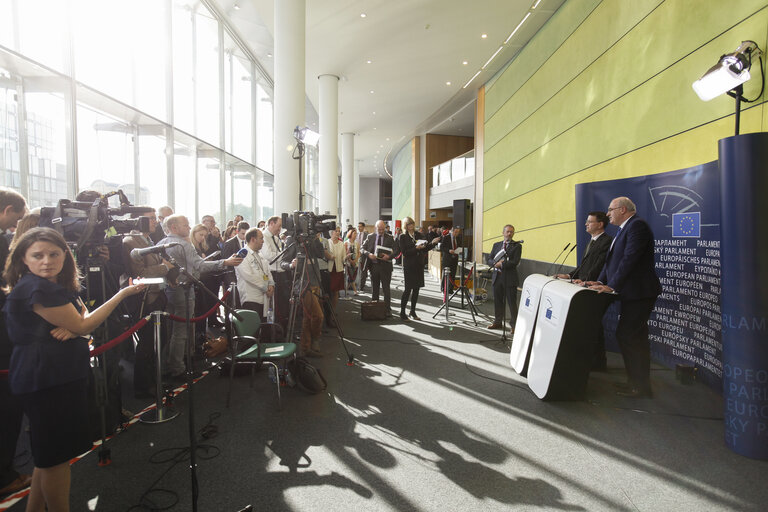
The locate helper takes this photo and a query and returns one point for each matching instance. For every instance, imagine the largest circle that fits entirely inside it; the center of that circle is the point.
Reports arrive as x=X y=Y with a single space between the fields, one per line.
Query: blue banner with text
x=683 y=210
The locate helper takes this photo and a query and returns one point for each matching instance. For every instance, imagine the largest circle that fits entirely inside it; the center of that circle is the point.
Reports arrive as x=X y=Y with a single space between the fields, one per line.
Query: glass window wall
x=105 y=116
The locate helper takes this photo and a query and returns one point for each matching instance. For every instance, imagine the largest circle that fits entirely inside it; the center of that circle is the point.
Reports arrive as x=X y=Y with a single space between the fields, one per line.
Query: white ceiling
x=415 y=48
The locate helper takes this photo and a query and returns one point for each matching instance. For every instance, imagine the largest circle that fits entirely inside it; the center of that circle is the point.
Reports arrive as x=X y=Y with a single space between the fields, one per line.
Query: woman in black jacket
x=414 y=254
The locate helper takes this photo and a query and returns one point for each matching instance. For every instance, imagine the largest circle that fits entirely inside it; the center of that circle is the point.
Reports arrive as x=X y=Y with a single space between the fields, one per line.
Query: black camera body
x=303 y=225
x=83 y=223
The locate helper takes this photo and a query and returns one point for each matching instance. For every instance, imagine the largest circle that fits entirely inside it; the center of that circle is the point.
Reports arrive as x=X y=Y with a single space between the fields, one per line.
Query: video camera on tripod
x=84 y=223
x=303 y=225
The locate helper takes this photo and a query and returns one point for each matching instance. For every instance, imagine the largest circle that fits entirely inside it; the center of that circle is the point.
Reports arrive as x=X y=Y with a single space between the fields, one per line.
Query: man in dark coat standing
x=504 y=259
x=380 y=265
x=630 y=271
x=592 y=262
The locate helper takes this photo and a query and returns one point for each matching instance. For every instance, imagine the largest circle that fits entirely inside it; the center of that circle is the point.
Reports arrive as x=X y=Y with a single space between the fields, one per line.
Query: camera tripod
x=305 y=263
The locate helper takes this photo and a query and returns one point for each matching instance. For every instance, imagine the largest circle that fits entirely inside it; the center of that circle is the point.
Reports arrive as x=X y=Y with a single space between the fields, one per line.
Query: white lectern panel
x=526 y=321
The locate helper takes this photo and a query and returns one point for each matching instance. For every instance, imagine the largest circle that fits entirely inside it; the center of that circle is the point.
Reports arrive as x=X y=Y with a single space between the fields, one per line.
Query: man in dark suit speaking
x=629 y=271
x=504 y=259
x=592 y=262
x=379 y=262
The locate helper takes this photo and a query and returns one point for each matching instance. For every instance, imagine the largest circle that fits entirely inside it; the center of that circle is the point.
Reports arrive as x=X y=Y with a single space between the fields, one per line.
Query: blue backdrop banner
x=683 y=209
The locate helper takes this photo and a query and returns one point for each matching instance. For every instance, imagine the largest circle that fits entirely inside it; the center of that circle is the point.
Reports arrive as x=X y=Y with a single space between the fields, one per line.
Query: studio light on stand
x=304 y=137
x=728 y=76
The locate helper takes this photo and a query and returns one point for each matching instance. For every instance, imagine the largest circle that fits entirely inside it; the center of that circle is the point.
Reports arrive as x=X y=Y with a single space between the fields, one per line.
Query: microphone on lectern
x=558 y=257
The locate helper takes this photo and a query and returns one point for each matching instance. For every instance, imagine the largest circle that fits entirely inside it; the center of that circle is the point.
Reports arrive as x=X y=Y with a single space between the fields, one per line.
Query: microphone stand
x=563 y=262
x=558 y=257
x=192 y=280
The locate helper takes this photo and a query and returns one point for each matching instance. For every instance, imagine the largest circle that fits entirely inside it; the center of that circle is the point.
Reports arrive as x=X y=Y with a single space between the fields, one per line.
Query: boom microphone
x=558 y=257
x=138 y=254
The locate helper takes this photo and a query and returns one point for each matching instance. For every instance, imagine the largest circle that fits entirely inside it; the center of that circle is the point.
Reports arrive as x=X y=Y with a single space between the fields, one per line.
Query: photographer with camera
x=46 y=323
x=148 y=265
x=185 y=255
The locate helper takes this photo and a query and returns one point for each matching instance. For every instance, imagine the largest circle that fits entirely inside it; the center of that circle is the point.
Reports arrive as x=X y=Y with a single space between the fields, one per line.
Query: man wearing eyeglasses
x=592 y=262
x=629 y=271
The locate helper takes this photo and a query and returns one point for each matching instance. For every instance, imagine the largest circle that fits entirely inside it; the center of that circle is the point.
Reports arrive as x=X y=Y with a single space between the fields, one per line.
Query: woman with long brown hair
x=46 y=321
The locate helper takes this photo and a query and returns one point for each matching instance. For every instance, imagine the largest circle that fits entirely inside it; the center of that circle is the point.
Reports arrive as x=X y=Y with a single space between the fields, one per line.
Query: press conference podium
x=568 y=323
x=526 y=322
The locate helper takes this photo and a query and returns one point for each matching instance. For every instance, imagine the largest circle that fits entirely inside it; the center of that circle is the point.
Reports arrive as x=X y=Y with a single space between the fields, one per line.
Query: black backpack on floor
x=307 y=376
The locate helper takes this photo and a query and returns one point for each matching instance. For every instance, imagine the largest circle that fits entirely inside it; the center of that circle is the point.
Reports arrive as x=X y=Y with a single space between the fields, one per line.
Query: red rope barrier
x=201 y=317
x=116 y=341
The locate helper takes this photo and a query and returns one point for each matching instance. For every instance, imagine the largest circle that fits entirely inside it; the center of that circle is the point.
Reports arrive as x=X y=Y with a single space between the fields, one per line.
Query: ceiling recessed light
x=363 y=15
x=387 y=138
x=447 y=83
x=464 y=62
x=236 y=7
x=374 y=113
x=269 y=55
x=368 y=61
x=371 y=91
x=381 y=145
x=484 y=36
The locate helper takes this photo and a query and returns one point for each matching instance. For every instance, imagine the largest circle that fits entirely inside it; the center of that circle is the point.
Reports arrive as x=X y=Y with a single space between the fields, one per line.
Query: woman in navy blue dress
x=49 y=366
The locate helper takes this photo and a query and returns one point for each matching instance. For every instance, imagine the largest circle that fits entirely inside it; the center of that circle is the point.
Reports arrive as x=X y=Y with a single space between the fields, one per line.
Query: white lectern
x=567 y=327
x=526 y=321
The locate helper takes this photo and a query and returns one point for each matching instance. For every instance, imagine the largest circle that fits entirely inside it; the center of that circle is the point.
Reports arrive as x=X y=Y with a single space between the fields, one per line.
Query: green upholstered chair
x=246 y=330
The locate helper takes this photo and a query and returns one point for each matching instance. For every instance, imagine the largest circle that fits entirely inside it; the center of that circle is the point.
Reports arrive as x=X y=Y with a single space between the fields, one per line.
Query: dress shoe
x=413 y=315
x=404 y=317
x=21 y=482
x=495 y=325
x=635 y=393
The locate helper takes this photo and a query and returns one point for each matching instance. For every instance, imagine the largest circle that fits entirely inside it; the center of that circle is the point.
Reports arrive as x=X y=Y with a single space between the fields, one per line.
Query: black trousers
x=632 y=335
x=413 y=293
x=255 y=306
x=504 y=295
x=11 y=414
x=381 y=275
x=144 y=364
x=281 y=298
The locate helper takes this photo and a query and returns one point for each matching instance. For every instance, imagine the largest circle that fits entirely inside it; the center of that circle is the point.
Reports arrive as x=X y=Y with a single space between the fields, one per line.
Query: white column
x=289 y=99
x=348 y=195
x=328 y=112
x=356 y=194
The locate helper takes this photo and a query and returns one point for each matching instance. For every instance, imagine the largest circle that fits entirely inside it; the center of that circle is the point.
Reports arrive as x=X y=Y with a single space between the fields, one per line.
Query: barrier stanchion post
x=160 y=413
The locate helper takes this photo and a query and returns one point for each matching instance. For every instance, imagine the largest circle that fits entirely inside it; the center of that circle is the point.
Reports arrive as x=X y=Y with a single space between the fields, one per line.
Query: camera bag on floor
x=307 y=376
x=373 y=310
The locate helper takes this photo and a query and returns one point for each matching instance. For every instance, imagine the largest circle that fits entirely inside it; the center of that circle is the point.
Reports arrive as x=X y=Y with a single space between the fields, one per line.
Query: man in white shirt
x=254 y=278
x=274 y=245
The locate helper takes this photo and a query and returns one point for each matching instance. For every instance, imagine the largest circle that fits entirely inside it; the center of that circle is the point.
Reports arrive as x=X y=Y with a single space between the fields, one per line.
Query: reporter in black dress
x=50 y=360
x=413 y=266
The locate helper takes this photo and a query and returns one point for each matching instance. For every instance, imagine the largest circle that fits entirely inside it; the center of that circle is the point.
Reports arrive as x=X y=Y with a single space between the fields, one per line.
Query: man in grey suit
x=380 y=265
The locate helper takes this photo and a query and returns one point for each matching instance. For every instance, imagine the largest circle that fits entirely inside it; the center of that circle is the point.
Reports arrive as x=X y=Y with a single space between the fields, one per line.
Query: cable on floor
x=156 y=499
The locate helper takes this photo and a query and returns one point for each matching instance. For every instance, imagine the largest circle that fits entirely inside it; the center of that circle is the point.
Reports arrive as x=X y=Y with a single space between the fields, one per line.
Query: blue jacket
x=629 y=267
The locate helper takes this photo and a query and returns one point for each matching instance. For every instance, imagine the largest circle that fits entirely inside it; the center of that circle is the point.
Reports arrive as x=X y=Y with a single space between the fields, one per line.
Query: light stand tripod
x=462 y=289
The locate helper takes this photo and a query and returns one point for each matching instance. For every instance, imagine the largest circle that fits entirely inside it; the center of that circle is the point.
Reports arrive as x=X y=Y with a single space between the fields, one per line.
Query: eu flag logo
x=686 y=225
